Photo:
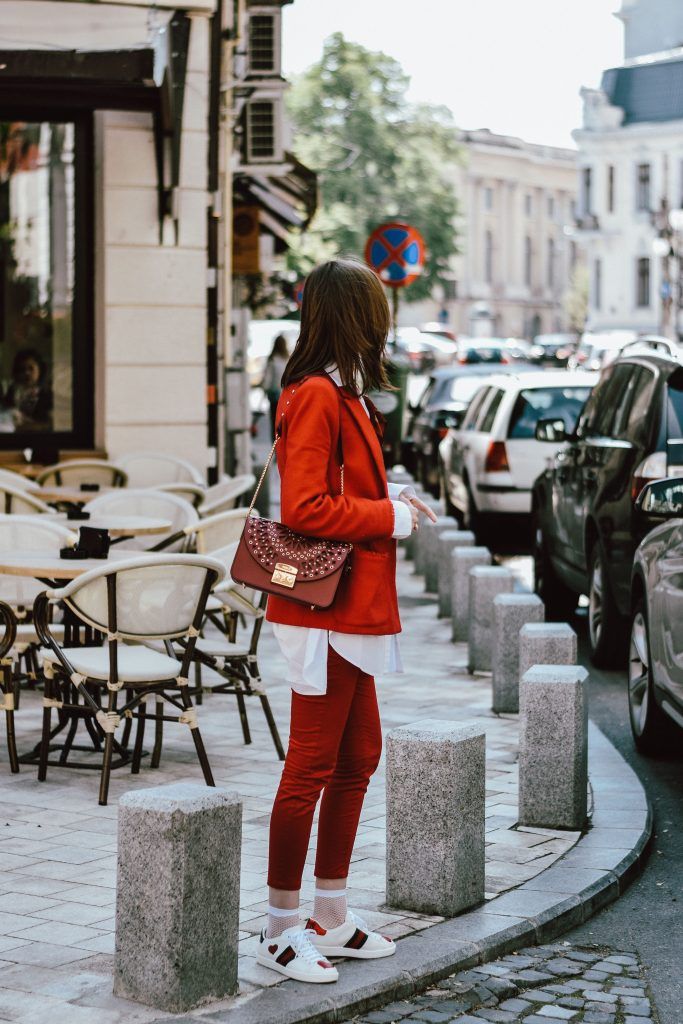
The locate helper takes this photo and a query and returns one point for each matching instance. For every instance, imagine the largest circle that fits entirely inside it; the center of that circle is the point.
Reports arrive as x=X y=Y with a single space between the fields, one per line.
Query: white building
x=516 y=201
x=631 y=173
x=117 y=157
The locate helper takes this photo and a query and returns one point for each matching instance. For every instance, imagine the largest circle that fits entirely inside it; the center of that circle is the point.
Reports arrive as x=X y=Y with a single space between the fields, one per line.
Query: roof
x=648 y=91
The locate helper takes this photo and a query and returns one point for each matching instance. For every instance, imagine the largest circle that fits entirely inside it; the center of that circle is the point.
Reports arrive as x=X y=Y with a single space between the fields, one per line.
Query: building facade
x=123 y=126
x=631 y=176
x=516 y=259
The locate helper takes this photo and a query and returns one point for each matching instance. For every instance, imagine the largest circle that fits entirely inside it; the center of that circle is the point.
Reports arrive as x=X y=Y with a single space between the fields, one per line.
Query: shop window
x=46 y=352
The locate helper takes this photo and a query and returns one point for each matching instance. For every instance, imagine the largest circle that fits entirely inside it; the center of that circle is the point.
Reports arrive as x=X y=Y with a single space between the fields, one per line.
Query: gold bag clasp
x=284 y=574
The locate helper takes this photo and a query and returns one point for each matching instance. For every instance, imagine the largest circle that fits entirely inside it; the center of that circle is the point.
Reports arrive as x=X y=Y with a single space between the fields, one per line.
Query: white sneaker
x=293 y=954
x=352 y=938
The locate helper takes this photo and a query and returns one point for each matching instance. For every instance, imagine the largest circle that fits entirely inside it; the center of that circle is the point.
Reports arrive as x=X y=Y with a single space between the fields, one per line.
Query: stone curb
x=589 y=876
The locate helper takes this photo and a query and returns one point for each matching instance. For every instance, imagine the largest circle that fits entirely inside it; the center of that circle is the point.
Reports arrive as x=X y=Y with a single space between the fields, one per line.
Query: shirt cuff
x=403 y=521
x=396 y=490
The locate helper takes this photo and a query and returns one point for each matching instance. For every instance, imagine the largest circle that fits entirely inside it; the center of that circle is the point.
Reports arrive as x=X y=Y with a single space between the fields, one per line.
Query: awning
x=286 y=202
x=148 y=78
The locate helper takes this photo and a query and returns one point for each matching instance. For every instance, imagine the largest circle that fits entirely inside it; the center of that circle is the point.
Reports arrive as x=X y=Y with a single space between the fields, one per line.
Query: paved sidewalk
x=58 y=846
x=541 y=985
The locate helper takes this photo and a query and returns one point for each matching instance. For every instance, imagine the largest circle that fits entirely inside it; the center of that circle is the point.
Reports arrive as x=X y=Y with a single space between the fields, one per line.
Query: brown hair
x=279 y=347
x=345 y=320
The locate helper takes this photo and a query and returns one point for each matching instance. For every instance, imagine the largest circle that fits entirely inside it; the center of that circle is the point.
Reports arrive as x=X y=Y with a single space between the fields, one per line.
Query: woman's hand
x=416 y=506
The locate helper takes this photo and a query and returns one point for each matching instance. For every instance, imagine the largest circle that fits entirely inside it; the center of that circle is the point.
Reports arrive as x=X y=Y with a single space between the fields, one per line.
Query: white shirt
x=305 y=647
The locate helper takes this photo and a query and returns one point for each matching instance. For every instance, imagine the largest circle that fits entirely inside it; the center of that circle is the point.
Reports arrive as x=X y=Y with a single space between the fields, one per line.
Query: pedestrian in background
x=334 y=486
x=272 y=376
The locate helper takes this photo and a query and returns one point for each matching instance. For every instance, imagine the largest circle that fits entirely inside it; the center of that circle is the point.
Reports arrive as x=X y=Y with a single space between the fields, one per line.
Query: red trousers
x=335 y=742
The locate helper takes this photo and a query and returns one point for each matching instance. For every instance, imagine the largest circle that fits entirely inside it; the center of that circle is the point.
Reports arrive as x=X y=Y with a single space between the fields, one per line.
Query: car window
x=485 y=420
x=674 y=405
x=427 y=394
x=483 y=355
x=598 y=419
x=639 y=419
x=545 y=403
x=590 y=410
x=473 y=409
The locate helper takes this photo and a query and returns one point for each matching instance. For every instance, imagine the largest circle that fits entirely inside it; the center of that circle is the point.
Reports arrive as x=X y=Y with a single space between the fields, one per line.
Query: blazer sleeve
x=310 y=430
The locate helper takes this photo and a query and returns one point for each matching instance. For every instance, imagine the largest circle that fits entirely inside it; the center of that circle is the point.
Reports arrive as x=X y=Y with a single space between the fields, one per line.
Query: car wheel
x=649 y=724
x=560 y=602
x=605 y=624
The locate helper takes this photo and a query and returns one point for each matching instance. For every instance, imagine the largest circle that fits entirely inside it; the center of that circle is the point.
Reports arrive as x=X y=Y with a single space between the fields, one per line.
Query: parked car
x=439 y=329
x=262 y=334
x=441 y=405
x=425 y=351
x=554 y=349
x=586 y=529
x=483 y=350
x=598 y=349
x=655 y=668
x=489 y=463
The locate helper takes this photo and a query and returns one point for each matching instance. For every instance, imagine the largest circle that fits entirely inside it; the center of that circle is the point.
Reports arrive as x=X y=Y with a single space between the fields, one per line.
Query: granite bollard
x=546 y=643
x=422 y=536
x=431 y=550
x=486 y=582
x=448 y=541
x=177 y=896
x=435 y=817
x=462 y=560
x=510 y=613
x=553 y=747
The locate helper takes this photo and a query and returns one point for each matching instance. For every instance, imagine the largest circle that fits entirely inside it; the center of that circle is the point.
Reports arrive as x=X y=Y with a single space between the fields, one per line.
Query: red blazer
x=312 y=504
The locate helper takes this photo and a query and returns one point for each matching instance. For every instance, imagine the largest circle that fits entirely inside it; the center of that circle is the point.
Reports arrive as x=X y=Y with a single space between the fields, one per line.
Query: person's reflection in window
x=29 y=397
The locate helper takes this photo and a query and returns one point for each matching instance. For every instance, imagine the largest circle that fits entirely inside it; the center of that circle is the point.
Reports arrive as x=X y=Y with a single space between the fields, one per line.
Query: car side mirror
x=662 y=499
x=451 y=419
x=552 y=431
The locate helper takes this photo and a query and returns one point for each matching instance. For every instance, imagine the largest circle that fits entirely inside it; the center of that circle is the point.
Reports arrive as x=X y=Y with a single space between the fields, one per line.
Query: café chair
x=75 y=472
x=132 y=603
x=148 y=469
x=19 y=502
x=223 y=496
x=193 y=493
x=148 y=501
x=9 y=622
x=16 y=480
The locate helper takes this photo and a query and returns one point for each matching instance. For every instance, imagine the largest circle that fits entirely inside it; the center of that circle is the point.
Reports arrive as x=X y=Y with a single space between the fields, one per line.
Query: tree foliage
x=378 y=158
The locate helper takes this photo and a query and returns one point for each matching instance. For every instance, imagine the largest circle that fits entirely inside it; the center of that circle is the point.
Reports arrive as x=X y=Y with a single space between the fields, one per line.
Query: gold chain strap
x=267 y=467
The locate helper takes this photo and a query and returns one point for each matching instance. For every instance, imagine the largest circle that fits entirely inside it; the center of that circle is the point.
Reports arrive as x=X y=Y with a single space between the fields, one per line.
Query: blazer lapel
x=368 y=431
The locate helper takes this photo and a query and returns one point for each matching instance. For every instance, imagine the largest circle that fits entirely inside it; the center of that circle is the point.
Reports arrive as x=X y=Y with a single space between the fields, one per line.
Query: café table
x=52 y=570
x=118 y=525
x=68 y=495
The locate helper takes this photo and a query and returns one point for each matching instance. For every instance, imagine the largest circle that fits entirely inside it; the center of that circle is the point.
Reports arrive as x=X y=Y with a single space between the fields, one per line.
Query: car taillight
x=651 y=468
x=581 y=357
x=505 y=359
x=496 y=458
x=442 y=431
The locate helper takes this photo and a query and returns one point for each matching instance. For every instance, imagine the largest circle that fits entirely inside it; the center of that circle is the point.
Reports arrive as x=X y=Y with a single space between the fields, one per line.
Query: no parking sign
x=396 y=251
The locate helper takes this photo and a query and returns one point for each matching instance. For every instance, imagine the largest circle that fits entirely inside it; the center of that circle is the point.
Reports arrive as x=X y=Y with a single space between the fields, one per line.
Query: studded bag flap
x=274 y=559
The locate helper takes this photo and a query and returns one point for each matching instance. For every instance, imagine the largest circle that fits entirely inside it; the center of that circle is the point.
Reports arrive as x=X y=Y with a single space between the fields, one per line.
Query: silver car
x=655 y=671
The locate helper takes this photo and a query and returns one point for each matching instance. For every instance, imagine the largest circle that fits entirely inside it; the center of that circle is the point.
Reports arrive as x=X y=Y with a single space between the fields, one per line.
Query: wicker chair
x=6 y=681
x=148 y=469
x=19 y=502
x=75 y=472
x=225 y=495
x=134 y=602
x=133 y=501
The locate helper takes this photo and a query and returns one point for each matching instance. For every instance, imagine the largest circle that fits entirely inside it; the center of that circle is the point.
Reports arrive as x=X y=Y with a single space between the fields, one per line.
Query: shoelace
x=303 y=947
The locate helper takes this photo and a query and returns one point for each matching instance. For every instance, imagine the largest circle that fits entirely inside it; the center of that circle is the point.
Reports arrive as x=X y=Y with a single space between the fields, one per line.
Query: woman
x=333 y=654
x=28 y=397
x=272 y=377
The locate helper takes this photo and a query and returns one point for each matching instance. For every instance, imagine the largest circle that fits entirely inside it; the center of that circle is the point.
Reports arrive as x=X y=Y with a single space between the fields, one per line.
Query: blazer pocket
x=367 y=600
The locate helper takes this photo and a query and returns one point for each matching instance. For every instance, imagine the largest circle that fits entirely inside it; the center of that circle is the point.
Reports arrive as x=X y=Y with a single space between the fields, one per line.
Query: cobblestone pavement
x=541 y=985
x=58 y=847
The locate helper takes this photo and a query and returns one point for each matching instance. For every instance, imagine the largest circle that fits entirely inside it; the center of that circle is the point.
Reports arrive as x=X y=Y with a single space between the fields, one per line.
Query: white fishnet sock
x=280 y=920
x=329 y=907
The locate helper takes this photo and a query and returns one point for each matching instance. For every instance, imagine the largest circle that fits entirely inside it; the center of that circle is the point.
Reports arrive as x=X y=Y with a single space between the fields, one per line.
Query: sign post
x=396 y=252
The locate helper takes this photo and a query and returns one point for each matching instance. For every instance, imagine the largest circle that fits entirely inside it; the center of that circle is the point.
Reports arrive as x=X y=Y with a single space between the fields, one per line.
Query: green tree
x=378 y=157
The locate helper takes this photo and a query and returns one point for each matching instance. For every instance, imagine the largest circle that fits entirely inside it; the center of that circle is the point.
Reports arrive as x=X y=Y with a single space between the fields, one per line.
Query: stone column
x=486 y=582
x=431 y=550
x=422 y=537
x=553 y=747
x=546 y=643
x=462 y=560
x=448 y=541
x=510 y=613
x=177 y=896
x=435 y=817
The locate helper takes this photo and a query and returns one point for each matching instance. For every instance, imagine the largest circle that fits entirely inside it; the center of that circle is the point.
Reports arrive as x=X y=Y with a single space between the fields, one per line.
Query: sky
x=514 y=66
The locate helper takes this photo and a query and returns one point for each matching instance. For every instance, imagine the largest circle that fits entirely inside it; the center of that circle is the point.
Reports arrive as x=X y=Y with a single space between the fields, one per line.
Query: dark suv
x=586 y=525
